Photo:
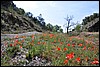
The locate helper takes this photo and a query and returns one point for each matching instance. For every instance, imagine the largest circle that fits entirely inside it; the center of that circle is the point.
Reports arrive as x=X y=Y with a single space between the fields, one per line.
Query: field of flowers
x=60 y=49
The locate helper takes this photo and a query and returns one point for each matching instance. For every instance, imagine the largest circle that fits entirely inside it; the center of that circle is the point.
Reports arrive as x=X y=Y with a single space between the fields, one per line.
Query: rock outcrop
x=92 y=26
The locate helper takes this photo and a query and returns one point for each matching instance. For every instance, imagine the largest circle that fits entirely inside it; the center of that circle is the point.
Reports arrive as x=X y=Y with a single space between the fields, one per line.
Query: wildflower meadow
x=60 y=49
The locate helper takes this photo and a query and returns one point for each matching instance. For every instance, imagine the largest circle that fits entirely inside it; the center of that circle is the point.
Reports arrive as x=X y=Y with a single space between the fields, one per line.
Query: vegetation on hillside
x=85 y=21
x=18 y=17
x=90 y=18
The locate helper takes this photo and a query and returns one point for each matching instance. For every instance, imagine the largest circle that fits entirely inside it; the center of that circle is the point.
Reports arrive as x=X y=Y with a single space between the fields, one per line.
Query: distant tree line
x=39 y=20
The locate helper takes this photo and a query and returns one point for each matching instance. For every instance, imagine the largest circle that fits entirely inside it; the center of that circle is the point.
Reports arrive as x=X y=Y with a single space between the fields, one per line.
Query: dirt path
x=30 y=33
x=22 y=34
x=90 y=33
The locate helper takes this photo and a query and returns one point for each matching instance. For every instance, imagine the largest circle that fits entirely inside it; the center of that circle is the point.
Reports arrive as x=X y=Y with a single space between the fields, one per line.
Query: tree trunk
x=67 y=30
x=68 y=26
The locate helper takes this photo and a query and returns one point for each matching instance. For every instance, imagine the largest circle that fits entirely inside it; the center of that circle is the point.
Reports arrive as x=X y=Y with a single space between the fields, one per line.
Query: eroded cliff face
x=12 y=22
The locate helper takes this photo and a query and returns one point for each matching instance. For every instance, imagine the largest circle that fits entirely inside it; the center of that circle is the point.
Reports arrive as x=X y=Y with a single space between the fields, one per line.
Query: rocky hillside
x=92 y=26
x=14 y=22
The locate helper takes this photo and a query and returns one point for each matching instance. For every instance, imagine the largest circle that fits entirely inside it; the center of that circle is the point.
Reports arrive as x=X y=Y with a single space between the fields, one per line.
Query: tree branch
x=73 y=24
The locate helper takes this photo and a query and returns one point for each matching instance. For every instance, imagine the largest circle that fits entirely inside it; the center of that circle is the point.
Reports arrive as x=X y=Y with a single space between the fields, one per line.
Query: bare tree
x=69 y=23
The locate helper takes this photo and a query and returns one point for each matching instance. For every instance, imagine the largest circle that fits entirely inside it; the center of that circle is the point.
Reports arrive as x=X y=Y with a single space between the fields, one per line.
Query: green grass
x=48 y=48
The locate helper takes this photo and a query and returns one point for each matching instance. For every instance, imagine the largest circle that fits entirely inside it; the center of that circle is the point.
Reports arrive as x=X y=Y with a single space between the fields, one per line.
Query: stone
x=36 y=58
x=43 y=61
x=18 y=53
x=24 y=56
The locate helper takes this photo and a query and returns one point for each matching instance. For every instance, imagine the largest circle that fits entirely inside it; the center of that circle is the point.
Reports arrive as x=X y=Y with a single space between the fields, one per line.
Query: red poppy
x=93 y=47
x=65 y=49
x=16 y=36
x=11 y=45
x=66 y=61
x=95 y=59
x=32 y=36
x=38 y=42
x=73 y=45
x=14 y=44
x=58 y=48
x=84 y=48
x=78 y=59
x=20 y=46
x=16 y=41
x=80 y=45
x=32 y=40
x=44 y=34
x=22 y=40
x=61 y=42
x=23 y=37
x=68 y=44
x=95 y=62
x=72 y=53
x=51 y=35
x=69 y=56
x=44 y=43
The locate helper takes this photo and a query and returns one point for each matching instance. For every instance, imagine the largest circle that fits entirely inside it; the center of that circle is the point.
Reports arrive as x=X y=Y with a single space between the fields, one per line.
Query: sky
x=54 y=12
